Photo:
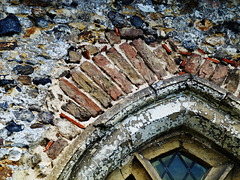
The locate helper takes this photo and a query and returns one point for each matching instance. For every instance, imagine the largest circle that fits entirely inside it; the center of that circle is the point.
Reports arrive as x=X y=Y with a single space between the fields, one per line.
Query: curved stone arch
x=187 y=101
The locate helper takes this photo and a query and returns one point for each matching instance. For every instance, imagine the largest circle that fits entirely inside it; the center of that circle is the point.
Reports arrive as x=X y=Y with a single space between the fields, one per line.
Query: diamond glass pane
x=198 y=171
x=178 y=167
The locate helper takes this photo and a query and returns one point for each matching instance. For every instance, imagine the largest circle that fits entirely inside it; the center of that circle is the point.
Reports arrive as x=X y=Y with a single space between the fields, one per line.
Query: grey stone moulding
x=185 y=100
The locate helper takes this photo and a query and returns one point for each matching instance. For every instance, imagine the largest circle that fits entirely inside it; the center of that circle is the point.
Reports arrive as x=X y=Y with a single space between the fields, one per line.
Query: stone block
x=138 y=63
x=149 y=58
x=219 y=74
x=193 y=64
x=130 y=33
x=105 y=83
x=123 y=65
x=207 y=69
x=112 y=71
x=113 y=38
x=56 y=148
x=232 y=81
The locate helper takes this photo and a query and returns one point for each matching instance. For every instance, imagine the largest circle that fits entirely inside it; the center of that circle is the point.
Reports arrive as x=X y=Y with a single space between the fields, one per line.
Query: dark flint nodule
x=10 y=25
x=125 y=2
x=13 y=127
x=4 y=82
x=42 y=81
x=45 y=117
x=189 y=44
x=136 y=21
x=23 y=70
x=41 y=22
x=118 y=20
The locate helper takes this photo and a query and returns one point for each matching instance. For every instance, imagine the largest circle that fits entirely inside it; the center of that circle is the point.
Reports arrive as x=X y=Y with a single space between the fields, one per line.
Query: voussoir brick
x=193 y=65
x=91 y=88
x=232 y=81
x=207 y=69
x=105 y=83
x=113 y=72
x=164 y=57
x=122 y=64
x=220 y=74
x=113 y=38
x=56 y=148
x=149 y=58
x=79 y=97
x=138 y=63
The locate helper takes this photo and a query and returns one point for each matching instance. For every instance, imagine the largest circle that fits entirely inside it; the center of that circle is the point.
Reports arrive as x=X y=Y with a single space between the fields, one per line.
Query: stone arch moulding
x=186 y=100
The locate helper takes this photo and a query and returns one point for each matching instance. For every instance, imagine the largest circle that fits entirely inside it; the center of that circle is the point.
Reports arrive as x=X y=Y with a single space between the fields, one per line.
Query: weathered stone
x=4 y=106
x=15 y=154
x=215 y=40
x=42 y=81
x=66 y=128
x=36 y=125
x=118 y=20
x=8 y=45
x=164 y=57
x=130 y=33
x=101 y=80
x=45 y=117
x=193 y=64
x=91 y=88
x=38 y=12
x=41 y=22
x=149 y=58
x=74 y=56
x=189 y=44
x=219 y=74
x=79 y=97
x=13 y=127
x=113 y=38
x=5 y=172
x=32 y=32
x=24 y=79
x=78 y=112
x=138 y=63
x=125 y=2
x=10 y=25
x=24 y=115
x=24 y=70
x=207 y=69
x=4 y=82
x=232 y=81
x=111 y=70
x=91 y=49
x=122 y=64
x=35 y=159
x=36 y=2
x=56 y=148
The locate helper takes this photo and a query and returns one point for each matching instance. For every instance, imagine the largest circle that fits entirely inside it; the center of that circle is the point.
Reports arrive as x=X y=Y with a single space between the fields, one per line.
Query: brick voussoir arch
x=186 y=100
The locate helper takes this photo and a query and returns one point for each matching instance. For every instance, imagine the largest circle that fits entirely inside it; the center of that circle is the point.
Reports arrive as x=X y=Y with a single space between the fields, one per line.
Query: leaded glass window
x=177 y=166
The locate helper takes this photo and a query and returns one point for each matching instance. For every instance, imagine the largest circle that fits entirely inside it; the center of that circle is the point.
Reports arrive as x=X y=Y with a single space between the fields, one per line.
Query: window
x=178 y=166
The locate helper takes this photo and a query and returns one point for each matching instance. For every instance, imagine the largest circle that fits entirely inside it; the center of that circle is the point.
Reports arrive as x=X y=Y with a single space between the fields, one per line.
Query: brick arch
x=184 y=100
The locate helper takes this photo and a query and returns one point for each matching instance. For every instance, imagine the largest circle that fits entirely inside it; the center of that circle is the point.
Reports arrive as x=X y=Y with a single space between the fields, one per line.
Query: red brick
x=193 y=65
x=79 y=97
x=220 y=74
x=91 y=88
x=56 y=148
x=232 y=81
x=112 y=71
x=138 y=63
x=101 y=80
x=207 y=69
x=164 y=57
x=122 y=64
x=149 y=58
x=113 y=38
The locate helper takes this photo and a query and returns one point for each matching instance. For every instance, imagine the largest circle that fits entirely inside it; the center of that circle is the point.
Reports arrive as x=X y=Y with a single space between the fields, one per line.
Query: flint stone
x=136 y=21
x=4 y=106
x=8 y=45
x=24 y=70
x=13 y=127
x=46 y=117
x=42 y=81
x=24 y=115
x=10 y=25
x=4 y=82
x=189 y=44
x=125 y=2
x=56 y=148
x=41 y=22
x=117 y=19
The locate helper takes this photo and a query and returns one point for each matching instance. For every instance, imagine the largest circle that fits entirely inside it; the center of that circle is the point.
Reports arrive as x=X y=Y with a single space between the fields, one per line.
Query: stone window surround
x=109 y=125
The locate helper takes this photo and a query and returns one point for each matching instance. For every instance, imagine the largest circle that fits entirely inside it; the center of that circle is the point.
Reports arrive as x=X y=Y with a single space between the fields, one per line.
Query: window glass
x=177 y=166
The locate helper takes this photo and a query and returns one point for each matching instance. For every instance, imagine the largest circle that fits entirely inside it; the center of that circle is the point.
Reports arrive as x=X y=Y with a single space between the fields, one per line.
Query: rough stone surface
x=113 y=38
x=91 y=88
x=232 y=81
x=101 y=80
x=79 y=97
x=123 y=65
x=138 y=63
x=149 y=58
x=207 y=69
x=130 y=33
x=193 y=64
x=220 y=74
x=77 y=111
x=115 y=74
x=56 y=148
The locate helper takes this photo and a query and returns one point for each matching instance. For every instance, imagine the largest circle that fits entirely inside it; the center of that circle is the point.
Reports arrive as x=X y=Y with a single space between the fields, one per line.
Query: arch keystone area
x=185 y=101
